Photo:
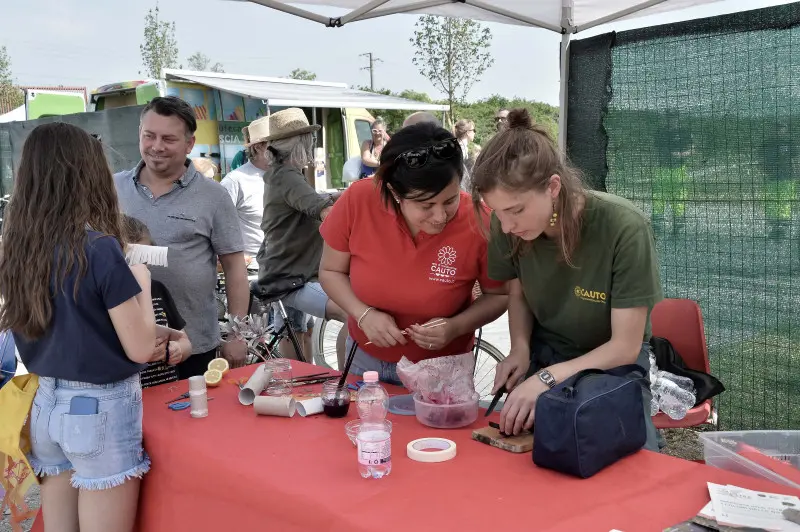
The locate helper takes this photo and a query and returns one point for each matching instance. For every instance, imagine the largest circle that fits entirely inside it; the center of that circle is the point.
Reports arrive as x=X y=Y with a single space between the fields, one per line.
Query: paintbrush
x=350 y=357
x=314 y=381
x=313 y=376
x=430 y=325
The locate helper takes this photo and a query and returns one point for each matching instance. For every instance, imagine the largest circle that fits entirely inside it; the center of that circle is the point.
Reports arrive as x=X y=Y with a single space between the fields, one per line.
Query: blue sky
x=93 y=42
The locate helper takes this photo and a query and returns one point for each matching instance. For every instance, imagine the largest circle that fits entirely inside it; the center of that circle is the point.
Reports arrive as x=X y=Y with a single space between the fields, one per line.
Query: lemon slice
x=213 y=377
x=219 y=364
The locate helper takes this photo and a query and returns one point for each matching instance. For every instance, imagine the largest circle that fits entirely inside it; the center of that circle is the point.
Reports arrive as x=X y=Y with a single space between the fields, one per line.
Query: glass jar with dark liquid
x=335 y=401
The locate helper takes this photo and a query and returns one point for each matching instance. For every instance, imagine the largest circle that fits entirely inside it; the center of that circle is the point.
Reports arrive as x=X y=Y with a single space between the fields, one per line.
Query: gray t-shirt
x=197 y=222
x=292 y=243
x=245 y=185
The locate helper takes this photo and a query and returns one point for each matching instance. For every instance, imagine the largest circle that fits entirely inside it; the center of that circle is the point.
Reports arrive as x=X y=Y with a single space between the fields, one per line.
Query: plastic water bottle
x=374 y=439
x=372 y=399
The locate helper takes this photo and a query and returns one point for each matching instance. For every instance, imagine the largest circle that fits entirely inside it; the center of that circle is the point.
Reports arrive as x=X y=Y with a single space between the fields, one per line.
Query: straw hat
x=256 y=132
x=287 y=123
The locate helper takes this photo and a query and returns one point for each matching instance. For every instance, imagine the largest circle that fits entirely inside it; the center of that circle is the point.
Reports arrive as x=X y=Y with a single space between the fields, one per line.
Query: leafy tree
x=202 y=63
x=299 y=73
x=394 y=118
x=481 y=112
x=452 y=53
x=9 y=94
x=160 y=48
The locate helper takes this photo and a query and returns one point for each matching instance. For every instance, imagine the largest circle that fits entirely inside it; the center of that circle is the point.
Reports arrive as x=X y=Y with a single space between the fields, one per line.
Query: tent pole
x=563 y=99
x=286 y=8
x=619 y=14
x=511 y=15
x=407 y=8
x=357 y=13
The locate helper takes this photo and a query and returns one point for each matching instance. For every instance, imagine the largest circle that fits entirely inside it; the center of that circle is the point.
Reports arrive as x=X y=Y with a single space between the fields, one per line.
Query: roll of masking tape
x=431 y=450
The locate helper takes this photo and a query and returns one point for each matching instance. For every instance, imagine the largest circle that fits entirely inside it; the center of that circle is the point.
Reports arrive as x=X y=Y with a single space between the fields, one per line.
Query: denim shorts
x=103 y=450
x=363 y=362
x=311 y=299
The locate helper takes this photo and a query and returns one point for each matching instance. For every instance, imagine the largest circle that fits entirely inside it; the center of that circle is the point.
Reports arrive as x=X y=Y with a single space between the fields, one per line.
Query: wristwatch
x=547 y=378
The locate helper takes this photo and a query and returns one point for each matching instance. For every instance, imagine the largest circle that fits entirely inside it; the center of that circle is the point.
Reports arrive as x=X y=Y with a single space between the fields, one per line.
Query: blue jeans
x=311 y=299
x=104 y=449
x=363 y=362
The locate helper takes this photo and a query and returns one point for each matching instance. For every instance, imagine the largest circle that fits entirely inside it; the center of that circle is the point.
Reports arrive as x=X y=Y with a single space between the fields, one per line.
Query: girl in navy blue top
x=83 y=321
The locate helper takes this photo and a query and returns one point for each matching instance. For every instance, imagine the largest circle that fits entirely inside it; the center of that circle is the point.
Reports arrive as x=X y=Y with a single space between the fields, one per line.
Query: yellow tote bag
x=16 y=398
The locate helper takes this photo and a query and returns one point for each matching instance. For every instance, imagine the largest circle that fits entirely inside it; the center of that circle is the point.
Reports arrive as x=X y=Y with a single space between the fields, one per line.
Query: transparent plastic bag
x=443 y=380
x=672 y=394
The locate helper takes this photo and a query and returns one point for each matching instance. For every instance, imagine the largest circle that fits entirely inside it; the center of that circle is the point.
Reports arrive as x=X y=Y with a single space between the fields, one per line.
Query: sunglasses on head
x=419 y=157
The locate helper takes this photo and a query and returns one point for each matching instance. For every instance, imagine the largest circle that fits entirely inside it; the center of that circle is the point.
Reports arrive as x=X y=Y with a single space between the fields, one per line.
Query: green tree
x=299 y=73
x=202 y=63
x=481 y=112
x=160 y=48
x=393 y=117
x=452 y=53
x=9 y=94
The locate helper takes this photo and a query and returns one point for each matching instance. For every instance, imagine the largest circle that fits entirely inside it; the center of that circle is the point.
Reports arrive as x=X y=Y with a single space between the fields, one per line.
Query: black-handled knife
x=500 y=393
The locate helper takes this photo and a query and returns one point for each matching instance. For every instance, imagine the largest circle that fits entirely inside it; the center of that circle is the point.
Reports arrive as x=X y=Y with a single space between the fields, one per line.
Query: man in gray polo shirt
x=192 y=216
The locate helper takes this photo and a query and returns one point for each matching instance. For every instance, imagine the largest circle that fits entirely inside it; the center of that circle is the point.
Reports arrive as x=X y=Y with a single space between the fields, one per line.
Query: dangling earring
x=554 y=217
x=396 y=199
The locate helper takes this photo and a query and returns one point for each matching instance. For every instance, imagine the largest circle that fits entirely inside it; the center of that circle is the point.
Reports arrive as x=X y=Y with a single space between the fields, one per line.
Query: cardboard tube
x=255 y=385
x=199 y=403
x=309 y=407
x=267 y=405
x=197 y=383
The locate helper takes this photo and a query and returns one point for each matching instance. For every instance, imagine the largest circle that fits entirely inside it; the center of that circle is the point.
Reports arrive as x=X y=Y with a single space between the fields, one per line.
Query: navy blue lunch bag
x=590 y=420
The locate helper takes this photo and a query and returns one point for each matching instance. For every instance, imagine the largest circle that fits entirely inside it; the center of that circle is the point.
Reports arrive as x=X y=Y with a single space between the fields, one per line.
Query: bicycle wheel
x=323 y=342
x=485 y=364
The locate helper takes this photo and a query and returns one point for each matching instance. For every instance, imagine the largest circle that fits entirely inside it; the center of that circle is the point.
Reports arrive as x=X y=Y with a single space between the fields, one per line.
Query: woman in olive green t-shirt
x=581 y=266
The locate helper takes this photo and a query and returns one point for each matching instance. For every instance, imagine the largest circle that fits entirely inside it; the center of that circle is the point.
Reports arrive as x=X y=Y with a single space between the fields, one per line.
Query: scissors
x=500 y=393
x=182 y=396
x=183 y=405
x=355 y=387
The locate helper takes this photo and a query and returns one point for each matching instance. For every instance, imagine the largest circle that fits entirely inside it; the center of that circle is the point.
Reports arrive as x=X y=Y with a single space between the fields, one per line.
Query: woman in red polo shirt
x=404 y=249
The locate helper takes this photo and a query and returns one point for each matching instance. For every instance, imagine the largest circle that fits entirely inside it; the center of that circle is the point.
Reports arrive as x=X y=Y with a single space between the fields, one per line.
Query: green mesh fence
x=699 y=124
x=6 y=163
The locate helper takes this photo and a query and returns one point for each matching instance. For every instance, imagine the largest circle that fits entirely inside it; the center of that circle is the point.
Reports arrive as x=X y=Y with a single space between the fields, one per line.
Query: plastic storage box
x=770 y=454
x=446 y=416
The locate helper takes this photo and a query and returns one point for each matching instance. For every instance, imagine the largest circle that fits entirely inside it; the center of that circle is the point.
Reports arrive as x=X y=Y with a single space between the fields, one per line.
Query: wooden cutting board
x=522 y=443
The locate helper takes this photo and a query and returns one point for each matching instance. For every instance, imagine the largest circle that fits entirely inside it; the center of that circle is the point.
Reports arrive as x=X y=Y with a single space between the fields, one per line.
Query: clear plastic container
x=372 y=399
x=446 y=416
x=374 y=442
x=281 y=382
x=736 y=451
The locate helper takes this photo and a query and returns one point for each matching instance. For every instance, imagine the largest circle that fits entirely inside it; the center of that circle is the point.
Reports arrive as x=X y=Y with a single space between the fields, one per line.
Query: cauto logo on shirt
x=443 y=270
x=593 y=296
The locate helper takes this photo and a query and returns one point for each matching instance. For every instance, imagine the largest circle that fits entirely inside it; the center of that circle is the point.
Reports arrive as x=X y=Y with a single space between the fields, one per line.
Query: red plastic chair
x=681 y=322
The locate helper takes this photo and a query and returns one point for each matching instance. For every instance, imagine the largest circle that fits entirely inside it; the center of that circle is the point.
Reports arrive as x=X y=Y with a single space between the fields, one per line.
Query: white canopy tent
x=562 y=16
x=297 y=93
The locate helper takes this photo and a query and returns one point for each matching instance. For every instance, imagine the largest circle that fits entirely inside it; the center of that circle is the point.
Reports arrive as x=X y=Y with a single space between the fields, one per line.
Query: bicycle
x=487 y=356
x=259 y=307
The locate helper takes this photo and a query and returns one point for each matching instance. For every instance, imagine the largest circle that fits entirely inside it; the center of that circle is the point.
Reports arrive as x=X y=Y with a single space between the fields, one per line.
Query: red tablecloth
x=237 y=471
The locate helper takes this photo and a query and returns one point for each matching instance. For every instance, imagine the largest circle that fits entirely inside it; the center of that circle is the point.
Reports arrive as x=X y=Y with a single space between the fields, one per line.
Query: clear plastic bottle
x=372 y=399
x=374 y=442
x=374 y=438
